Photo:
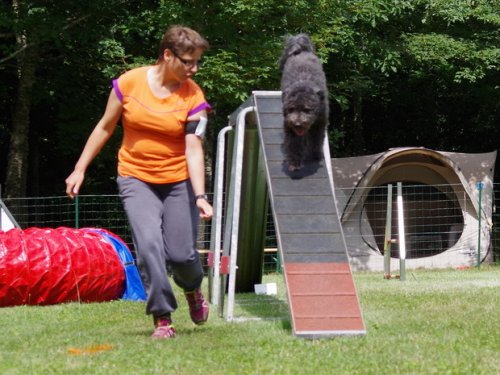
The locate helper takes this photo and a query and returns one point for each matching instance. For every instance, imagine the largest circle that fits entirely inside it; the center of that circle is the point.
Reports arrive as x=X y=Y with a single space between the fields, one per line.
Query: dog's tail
x=294 y=45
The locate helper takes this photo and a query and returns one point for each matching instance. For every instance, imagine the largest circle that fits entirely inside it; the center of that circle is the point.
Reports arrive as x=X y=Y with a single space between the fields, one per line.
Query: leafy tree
x=45 y=39
x=419 y=73
x=400 y=72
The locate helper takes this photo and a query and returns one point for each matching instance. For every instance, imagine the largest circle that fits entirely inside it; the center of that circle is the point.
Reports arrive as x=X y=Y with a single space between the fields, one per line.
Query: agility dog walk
x=321 y=292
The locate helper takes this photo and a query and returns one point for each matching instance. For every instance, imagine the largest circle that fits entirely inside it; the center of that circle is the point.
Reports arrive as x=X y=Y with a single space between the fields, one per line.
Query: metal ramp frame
x=322 y=297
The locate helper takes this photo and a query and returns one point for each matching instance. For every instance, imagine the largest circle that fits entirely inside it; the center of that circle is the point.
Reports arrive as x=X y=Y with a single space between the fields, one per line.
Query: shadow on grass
x=261 y=307
x=249 y=306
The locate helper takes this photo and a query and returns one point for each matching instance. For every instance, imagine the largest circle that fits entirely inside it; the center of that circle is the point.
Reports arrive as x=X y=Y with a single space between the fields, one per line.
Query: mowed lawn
x=435 y=322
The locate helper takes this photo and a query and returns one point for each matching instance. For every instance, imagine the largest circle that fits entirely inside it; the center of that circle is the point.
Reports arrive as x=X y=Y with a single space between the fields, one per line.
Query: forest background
x=400 y=73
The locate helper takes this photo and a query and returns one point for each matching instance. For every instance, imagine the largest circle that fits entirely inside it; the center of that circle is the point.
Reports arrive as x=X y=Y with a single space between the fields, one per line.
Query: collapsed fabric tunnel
x=441 y=202
x=46 y=266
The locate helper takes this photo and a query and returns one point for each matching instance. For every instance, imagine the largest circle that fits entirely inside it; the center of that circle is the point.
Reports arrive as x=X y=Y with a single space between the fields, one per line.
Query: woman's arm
x=196 y=167
x=97 y=139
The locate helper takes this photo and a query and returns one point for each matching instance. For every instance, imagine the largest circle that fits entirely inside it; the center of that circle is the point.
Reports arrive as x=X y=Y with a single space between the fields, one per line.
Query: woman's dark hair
x=181 y=40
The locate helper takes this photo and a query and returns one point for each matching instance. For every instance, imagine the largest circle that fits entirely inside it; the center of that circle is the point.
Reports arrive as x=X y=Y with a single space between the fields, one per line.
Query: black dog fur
x=305 y=102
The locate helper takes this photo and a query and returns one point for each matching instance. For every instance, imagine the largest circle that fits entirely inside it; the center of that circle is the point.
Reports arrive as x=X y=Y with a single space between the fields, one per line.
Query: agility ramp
x=321 y=292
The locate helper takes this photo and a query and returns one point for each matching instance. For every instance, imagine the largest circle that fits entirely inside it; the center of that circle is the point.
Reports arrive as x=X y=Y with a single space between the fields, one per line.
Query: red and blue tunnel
x=46 y=266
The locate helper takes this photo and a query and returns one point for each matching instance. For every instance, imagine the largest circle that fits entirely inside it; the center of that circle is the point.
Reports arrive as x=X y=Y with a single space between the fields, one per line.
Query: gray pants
x=164 y=221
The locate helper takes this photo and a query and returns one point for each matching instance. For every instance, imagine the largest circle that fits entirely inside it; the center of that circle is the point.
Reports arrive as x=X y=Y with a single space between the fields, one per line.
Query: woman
x=161 y=178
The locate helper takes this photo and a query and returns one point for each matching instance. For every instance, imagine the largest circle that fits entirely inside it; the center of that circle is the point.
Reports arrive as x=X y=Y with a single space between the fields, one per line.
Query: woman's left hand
x=206 y=210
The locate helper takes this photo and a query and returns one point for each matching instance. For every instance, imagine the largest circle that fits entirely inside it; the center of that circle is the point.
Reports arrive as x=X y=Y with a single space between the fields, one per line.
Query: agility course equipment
x=321 y=293
x=449 y=218
x=7 y=221
x=46 y=266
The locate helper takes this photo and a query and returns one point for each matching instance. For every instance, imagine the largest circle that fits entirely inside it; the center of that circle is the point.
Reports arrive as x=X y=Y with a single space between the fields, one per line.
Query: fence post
x=77 y=214
x=479 y=186
x=388 y=234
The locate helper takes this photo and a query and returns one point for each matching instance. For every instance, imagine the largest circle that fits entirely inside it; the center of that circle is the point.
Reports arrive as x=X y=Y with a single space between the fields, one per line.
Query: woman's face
x=185 y=65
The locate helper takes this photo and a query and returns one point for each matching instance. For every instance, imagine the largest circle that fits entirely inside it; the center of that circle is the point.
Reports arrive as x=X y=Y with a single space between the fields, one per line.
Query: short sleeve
x=117 y=90
x=198 y=102
x=123 y=85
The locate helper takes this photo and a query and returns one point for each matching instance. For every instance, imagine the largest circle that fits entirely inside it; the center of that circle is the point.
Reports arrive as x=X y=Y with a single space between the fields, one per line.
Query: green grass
x=436 y=322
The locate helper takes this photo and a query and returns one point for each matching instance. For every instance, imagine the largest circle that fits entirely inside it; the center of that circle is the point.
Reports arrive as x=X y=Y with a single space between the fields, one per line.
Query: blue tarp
x=134 y=290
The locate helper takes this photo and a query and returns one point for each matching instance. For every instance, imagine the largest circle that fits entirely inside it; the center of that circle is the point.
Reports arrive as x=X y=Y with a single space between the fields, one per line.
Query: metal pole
x=235 y=193
x=388 y=234
x=401 y=236
x=77 y=213
x=215 y=239
x=479 y=186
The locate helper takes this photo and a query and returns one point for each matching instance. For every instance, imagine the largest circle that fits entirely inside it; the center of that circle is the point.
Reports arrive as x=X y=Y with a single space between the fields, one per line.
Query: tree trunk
x=17 y=163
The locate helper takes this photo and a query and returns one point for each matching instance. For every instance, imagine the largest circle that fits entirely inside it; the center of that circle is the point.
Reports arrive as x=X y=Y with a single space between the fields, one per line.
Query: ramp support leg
x=230 y=242
x=235 y=189
x=215 y=239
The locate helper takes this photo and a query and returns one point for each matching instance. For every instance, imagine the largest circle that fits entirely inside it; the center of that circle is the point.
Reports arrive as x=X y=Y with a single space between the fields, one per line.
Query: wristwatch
x=201 y=196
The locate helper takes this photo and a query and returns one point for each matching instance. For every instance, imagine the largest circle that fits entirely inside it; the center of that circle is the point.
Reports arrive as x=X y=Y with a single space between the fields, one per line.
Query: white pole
x=388 y=234
x=236 y=176
x=215 y=240
x=401 y=234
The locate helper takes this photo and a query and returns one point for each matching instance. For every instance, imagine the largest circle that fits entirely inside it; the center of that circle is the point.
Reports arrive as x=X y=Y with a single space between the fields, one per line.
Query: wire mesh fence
x=433 y=220
x=437 y=218
x=442 y=227
x=106 y=211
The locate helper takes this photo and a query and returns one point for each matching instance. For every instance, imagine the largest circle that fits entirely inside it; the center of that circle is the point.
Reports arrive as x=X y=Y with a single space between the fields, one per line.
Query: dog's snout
x=299 y=120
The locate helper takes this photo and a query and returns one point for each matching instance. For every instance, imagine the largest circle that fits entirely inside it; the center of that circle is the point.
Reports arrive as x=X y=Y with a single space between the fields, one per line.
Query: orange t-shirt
x=153 y=146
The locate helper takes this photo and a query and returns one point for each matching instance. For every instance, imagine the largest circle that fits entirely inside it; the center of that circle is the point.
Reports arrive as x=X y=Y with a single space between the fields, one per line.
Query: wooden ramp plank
x=323 y=299
x=322 y=295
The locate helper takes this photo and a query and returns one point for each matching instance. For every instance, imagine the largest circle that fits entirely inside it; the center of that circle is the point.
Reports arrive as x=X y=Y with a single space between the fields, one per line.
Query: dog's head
x=301 y=107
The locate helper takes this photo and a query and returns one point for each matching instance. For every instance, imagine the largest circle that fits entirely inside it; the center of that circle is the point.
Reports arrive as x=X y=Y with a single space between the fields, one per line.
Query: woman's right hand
x=73 y=183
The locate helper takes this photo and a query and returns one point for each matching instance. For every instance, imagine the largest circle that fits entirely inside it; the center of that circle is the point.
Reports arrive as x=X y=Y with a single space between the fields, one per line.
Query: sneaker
x=198 y=307
x=163 y=328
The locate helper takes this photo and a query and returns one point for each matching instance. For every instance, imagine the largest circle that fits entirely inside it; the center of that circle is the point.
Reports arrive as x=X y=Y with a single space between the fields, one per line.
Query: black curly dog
x=305 y=102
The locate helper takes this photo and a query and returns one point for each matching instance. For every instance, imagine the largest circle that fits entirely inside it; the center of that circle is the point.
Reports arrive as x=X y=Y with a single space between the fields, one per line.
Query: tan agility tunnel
x=441 y=202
